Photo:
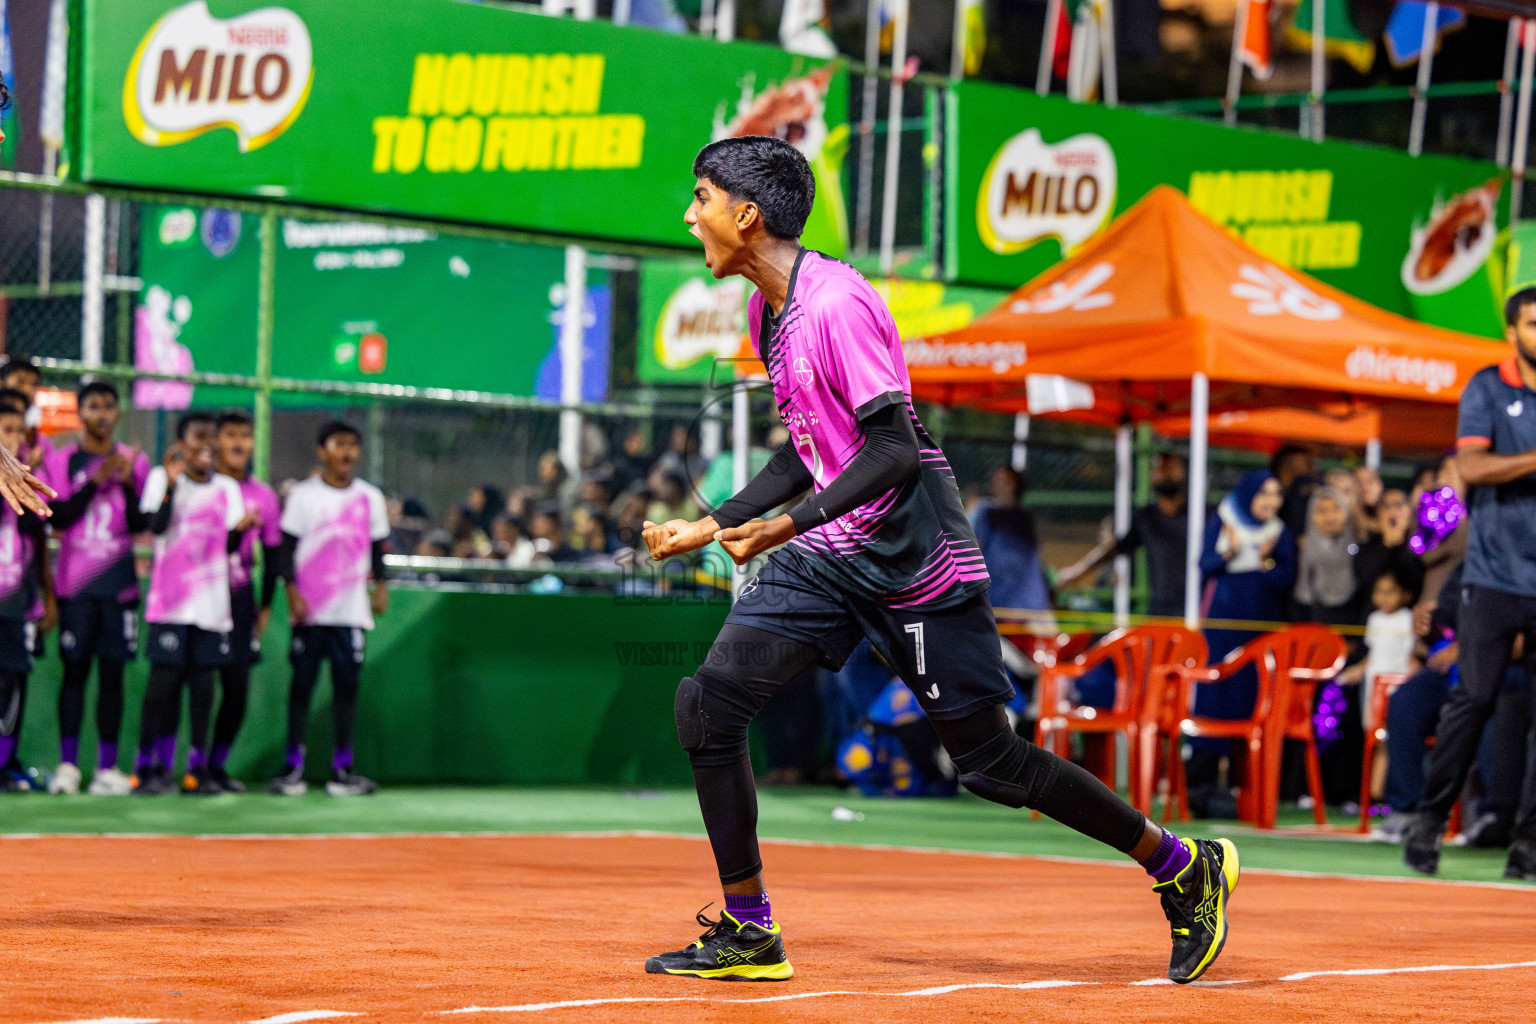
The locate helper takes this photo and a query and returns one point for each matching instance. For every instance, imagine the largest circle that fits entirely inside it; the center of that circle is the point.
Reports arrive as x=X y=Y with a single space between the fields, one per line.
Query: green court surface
x=800 y=813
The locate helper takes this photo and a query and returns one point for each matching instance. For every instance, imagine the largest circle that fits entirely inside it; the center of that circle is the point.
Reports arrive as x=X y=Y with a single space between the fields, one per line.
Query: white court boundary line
x=942 y=990
x=641 y=833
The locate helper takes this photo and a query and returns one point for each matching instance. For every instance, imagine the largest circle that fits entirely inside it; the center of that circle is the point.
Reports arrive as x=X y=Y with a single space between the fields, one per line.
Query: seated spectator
x=553 y=480
x=482 y=504
x=681 y=457
x=548 y=535
x=408 y=523
x=628 y=515
x=1325 y=574
x=589 y=534
x=469 y=541
x=630 y=464
x=593 y=491
x=434 y=544
x=509 y=544
x=669 y=496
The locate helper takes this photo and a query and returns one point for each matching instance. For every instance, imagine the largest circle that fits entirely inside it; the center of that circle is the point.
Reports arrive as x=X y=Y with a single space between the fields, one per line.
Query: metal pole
x=1109 y=69
x=45 y=224
x=1048 y=47
x=1319 y=66
x=866 y=186
x=1020 y=458
x=265 y=305
x=741 y=460
x=572 y=335
x=621 y=12
x=1124 y=471
x=1426 y=69
x=1373 y=453
x=1199 y=413
x=1522 y=119
x=706 y=17
x=710 y=428
x=375 y=447
x=893 y=142
x=1506 y=90
x=1235 y=63
x=92 y=295
x=725 y=20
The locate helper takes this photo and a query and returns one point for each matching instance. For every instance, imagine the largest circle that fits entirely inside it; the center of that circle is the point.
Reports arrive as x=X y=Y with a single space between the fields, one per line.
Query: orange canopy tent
x=1165 y=315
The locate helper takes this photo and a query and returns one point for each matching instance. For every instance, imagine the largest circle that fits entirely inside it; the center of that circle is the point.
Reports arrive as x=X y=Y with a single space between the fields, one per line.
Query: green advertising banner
x=688 y=320
x=355 y=302
x=443 y=109
x=1031 y=178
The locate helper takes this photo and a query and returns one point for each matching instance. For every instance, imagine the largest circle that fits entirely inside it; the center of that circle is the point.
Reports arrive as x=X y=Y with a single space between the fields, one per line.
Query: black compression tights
x=162 y=703
x=109 y=698
x=747 y=666
x=234 y=692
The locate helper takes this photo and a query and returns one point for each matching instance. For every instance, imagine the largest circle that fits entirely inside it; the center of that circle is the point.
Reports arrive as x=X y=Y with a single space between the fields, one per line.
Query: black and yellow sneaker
x=1195 y=903
x=729 y=951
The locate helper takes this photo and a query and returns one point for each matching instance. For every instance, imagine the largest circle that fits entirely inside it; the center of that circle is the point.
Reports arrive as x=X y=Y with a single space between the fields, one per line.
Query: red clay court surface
x=555 y=929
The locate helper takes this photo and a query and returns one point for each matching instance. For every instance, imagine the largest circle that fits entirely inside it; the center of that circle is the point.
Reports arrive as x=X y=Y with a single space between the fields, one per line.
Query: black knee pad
x=1009 y=770
x=688 y=709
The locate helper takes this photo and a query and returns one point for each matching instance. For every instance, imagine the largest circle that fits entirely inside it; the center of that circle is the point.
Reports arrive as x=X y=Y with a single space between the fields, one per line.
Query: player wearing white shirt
x=197 y=517
x=334 y=528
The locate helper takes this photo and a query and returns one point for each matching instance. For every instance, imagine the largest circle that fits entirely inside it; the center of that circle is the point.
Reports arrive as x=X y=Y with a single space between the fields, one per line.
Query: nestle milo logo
x=701 y=320
x=1033 y=190
x=193 y=73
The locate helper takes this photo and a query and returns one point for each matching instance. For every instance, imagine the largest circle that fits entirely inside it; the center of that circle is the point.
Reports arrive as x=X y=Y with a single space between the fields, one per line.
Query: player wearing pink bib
x=96 y=515
x=880 y=549
x=198 y=518
x=334 y=529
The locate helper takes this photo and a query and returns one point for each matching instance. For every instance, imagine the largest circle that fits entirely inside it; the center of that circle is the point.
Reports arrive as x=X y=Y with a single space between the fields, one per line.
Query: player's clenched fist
x=745 y=542
x=677 y=536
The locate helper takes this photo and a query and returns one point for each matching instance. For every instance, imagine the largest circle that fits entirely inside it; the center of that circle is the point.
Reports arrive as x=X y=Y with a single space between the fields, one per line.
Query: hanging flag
x=1255 y=51
x=972 y=23
x=1404 y=34
x=9 y=126
x=1342 y=38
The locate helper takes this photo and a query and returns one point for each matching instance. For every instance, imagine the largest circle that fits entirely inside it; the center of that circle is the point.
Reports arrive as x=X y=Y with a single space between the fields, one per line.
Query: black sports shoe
x=154 y=781
x=290 y=783
x=197 y=783
x=346 y=782
x=1522 y=861
x=1195 y=903
x=729 y=951
x=217 y=776
x=1421 y=844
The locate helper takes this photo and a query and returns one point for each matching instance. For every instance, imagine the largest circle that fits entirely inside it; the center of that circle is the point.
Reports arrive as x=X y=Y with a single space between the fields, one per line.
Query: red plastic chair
x=1144 y=659
x=1375 y=734
x=1289 y=664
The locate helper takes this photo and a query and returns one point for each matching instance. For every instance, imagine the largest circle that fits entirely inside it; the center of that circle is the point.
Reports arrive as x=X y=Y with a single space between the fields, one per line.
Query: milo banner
x=356 y=302
x=442 y=109
x=1030 y=178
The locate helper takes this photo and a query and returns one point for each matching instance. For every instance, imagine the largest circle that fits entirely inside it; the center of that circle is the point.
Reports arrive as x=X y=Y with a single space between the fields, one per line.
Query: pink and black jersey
x=336 y=528
x=95 y=550
x=833 y=355
x=263 y=500
x=19 y=591
x=189 y=584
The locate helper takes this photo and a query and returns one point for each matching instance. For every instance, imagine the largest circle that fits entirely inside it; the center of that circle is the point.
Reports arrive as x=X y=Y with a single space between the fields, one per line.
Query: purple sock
x=196 y=759
x=220 y=755
x=295 y=758
x=342 y=759
x=7 y=747
x=165 y=752
x=753 y=907
x=69 y=749
x=1170 y=857
x=106 y=755
x=145 y=760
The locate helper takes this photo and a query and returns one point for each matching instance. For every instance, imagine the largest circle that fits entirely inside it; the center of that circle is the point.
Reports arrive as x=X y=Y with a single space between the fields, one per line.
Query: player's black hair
x=189 y=419
x=10 y=398
x=766 y=171
x=95 y=387
x=334 y=427
x=16 y=364
x=232 y=417
x=1516 y=302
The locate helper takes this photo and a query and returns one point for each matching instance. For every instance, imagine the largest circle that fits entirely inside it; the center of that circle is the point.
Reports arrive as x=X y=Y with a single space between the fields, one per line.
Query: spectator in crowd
x=434 y=544
x=631 y=464
x=1386 y=548
x=482 y=504
x=1497 y=458
x=553 y=480
x=1009 y=544
x=628 y=513
x=589 y=534
x=1162 y=528
x=1325 y=572
x=548 y=534
x=1369 y=486
x=681 y=457
x=669 y=495
x=1440 y=551
x=469 y=541
x=509 y=544
x=719 y=481
x=1292 y=466
x=408 y=523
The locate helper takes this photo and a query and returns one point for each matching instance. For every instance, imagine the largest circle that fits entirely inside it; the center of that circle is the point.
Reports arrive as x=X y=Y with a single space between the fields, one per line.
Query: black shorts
x=98 y=627
x=244 y=644
x=187 y=646
x=951 y=658
x=16 y=640
x=342 y=646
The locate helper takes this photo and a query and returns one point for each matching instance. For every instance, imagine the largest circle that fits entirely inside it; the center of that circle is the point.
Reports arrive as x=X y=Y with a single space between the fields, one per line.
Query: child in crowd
x=236 y=443
x=198 y=518
x=334 y=528
x=95 y=516
x=23 y=549
x=1389 y=643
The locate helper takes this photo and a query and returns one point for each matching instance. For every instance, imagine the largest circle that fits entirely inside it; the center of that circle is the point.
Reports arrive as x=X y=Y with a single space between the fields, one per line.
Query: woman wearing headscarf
x=1248 y=565
x=1325 y=571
